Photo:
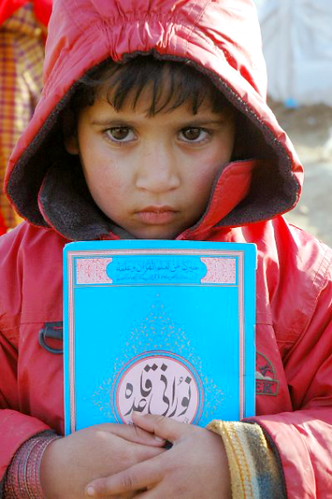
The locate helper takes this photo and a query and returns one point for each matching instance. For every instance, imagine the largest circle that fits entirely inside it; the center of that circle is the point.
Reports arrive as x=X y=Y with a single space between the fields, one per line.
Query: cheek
x=108 y=193
x=201 y=190
x=101 y=173
x=216 y=158
x=108 y=189
x=206 y=171
x=204 y=190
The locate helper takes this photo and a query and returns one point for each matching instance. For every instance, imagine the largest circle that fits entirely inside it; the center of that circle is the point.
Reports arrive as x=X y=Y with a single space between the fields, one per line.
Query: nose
x=157 y=170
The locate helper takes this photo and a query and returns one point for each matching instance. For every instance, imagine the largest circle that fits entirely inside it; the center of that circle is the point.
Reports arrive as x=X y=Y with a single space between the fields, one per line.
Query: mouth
x=157 y=215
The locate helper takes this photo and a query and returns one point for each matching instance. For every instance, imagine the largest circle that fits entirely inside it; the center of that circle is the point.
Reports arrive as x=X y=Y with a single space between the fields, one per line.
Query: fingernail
x=90 y=491
x=159 y=439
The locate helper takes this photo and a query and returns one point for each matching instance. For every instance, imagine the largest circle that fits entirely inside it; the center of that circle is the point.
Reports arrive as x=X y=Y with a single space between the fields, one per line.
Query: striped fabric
x=254 y=468
x=21 y=62
x=22 y=480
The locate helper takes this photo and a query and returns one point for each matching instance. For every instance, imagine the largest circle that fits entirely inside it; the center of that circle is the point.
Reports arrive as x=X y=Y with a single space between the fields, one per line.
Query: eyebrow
x=190 y=122
x=202 y=122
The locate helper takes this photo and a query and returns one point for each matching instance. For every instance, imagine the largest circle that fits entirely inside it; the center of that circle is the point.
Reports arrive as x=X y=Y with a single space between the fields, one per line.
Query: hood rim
x=38 y=131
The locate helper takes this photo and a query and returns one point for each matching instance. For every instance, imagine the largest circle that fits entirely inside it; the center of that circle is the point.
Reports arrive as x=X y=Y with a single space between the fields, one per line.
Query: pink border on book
x=151 y=251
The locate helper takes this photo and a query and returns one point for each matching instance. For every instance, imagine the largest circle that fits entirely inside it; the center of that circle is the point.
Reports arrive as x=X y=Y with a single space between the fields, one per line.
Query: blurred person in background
x=22 y=36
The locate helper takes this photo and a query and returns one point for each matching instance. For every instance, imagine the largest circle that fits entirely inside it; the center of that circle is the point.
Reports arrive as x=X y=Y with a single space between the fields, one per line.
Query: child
x=153 y=124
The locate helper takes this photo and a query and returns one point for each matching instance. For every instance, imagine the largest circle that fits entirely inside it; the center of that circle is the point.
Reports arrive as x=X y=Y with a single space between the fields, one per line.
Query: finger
x=153 y=493
x=144 y=452
x=132 y=433
x=163 y=427
x=140 y=476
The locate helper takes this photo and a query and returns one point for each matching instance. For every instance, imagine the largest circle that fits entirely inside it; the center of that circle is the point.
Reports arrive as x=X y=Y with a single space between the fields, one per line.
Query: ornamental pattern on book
x=157 y=381
x=95 y=270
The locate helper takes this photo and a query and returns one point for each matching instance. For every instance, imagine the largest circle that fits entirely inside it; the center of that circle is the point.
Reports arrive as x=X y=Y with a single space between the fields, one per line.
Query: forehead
x=147 y=103
x=162 y=87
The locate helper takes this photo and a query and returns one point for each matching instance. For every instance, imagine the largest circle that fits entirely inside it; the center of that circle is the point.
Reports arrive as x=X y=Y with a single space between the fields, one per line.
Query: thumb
x=163 y=427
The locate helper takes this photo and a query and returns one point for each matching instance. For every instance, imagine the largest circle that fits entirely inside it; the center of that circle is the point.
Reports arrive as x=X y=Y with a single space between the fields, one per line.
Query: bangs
x=169 y=84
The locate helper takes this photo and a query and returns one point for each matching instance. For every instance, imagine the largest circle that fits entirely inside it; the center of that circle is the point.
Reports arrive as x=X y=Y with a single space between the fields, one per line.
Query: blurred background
x=23 y=31
x=297 y=44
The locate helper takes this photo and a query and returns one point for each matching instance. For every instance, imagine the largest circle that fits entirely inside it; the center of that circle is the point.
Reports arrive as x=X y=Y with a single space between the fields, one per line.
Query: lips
x=157 y=215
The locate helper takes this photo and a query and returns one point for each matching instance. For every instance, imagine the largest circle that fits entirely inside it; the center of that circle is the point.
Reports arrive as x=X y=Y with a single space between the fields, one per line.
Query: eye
x=194 y=134
x=120 y=134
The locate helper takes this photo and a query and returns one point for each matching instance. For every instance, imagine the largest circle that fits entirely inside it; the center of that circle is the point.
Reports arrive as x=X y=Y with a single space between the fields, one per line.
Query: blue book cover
x=161 y=327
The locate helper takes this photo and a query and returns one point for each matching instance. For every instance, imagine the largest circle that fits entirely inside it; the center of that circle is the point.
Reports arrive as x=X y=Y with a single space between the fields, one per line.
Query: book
x=160 y=327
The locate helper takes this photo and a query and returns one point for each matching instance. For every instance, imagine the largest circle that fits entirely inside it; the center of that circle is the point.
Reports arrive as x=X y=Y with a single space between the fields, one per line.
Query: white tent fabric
x=297 y=43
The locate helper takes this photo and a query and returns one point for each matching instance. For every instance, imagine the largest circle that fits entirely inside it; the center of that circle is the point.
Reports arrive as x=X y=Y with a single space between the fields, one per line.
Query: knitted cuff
x=22 y=479
x=253 y=466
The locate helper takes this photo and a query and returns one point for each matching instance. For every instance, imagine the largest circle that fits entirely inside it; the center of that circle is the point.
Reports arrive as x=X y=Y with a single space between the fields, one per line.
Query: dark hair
x=172 y=83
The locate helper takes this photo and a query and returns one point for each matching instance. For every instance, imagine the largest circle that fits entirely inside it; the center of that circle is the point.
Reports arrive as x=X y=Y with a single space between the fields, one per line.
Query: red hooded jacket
x=3 y=228
x=294 y=290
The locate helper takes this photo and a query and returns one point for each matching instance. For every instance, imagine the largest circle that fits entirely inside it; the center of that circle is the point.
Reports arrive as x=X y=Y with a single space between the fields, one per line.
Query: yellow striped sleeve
x=254 y=468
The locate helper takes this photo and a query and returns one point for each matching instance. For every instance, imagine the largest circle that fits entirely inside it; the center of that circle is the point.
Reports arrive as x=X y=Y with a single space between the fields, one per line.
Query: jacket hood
x=221 y=38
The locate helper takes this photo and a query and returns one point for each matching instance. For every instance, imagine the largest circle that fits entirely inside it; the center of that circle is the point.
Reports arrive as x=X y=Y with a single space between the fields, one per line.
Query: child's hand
x=195 y=467
x=70 y=463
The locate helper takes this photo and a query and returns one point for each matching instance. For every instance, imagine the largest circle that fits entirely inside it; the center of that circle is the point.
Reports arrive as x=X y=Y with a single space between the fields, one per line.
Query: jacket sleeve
x=303 y=437
x=254 y=466
x=15 y=427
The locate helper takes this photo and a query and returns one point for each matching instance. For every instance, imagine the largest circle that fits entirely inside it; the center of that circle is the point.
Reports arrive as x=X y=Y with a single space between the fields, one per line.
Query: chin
x=156 y=234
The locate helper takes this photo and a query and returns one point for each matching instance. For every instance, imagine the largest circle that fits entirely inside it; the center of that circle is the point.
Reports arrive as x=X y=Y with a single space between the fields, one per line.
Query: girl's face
x=152 y=176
